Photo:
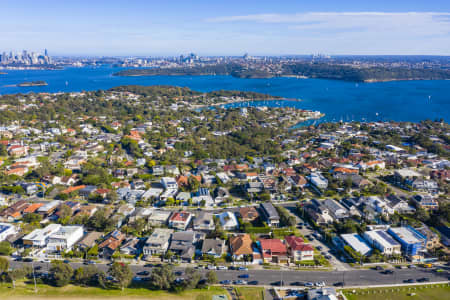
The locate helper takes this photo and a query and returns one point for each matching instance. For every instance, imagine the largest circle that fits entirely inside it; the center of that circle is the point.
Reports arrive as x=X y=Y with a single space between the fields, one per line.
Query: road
x=335 y=262
x=268 y=277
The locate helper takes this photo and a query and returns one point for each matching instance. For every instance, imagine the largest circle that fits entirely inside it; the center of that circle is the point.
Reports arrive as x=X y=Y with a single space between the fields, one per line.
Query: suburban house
x=157 y=242
x=317 y=180
x=228 y=221
x=381 y=240
x=357 y=243
x=111 y=244
x=39 y=237
x=64 y=238
x=273 y=250
x=240 y=246
x=298 y=249
x=89 y=240
x=204 y=221
x=213 y=247
x=183 y=244
x=180 y=220
x=426 y=201
x=159 y=217
x=336 y=210
x=7 y=230
x=248 y=213
x=270 y=214
x=130 y=246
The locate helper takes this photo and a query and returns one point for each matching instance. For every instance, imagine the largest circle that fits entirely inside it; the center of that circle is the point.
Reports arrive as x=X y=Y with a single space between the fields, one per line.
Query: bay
x=339 y=100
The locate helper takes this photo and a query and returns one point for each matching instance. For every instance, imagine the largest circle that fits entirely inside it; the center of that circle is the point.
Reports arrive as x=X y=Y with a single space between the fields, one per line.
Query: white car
x=320 y=283
x=222 y=268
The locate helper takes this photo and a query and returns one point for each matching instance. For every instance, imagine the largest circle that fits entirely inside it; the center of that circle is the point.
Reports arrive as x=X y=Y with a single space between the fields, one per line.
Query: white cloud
x=415 y=23
x=349 y=32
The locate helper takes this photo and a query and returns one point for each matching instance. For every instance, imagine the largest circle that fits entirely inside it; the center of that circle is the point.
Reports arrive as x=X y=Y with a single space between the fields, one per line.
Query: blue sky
x=277 y=27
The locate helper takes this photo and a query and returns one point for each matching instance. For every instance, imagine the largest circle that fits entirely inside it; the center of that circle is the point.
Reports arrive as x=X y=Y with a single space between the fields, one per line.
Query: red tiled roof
x=273 y=245
x=297 y=244
x=182 y=216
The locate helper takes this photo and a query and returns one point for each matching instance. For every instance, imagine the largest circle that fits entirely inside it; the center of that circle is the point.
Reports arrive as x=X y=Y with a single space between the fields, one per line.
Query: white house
x=169 y=183
x=64 y=238
x=318 y=181
x=157 y=242
x=383 y=241
x=7 y=230
x=39 y=237
x=228 y=221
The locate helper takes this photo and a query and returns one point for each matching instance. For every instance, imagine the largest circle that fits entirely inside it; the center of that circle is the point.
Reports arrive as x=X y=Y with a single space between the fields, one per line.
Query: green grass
x=428 y=292
x=250 y=293
x=24 y=291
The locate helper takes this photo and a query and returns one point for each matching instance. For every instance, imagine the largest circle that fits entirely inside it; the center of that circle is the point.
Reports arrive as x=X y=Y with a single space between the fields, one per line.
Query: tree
x=32 y=218
x=193 y=183
x=5 y=248
x=122 y=273
x=61 y=273
x=162 y=277
x=65 y=212
x=211 y=277
x=191 y=278
x=3 y=151
x=16 y=274
x=88 y=275
x=4 y=264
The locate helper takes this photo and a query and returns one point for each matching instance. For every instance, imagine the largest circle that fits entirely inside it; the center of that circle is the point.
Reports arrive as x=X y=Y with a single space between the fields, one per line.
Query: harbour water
x=339 y=100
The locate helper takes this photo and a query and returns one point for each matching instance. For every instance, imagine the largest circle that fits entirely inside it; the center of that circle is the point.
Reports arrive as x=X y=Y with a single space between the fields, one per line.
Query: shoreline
x=197 y=106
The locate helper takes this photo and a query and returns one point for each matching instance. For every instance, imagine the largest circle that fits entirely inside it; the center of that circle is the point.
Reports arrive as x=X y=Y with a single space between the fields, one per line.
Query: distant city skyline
x=153 y=28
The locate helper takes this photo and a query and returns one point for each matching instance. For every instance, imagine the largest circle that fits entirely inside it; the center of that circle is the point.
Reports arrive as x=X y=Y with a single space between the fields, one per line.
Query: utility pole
x=34 y=278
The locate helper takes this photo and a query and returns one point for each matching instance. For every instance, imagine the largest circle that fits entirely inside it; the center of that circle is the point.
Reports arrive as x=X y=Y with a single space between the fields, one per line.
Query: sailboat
x=67 y=83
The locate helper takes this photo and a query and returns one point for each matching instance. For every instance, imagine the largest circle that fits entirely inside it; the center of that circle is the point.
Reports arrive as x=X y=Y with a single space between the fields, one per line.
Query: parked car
x=378 y=268
x=254 y=282
x=320 y=283
x=297 y=283
x=225 y=282
x=240 y=282
x=411 y=280
x=144 y=273
x=221 y=268
x=243 y=269
x=28 y=259
x=424 y=279
x=309 y=284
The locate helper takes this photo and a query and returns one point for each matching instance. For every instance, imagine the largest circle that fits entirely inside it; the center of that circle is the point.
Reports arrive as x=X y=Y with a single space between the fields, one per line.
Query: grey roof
x=213 y=246
x=270 y=211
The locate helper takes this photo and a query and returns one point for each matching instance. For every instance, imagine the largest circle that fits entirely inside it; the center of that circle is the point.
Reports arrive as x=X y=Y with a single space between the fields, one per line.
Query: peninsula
x=297 y=70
